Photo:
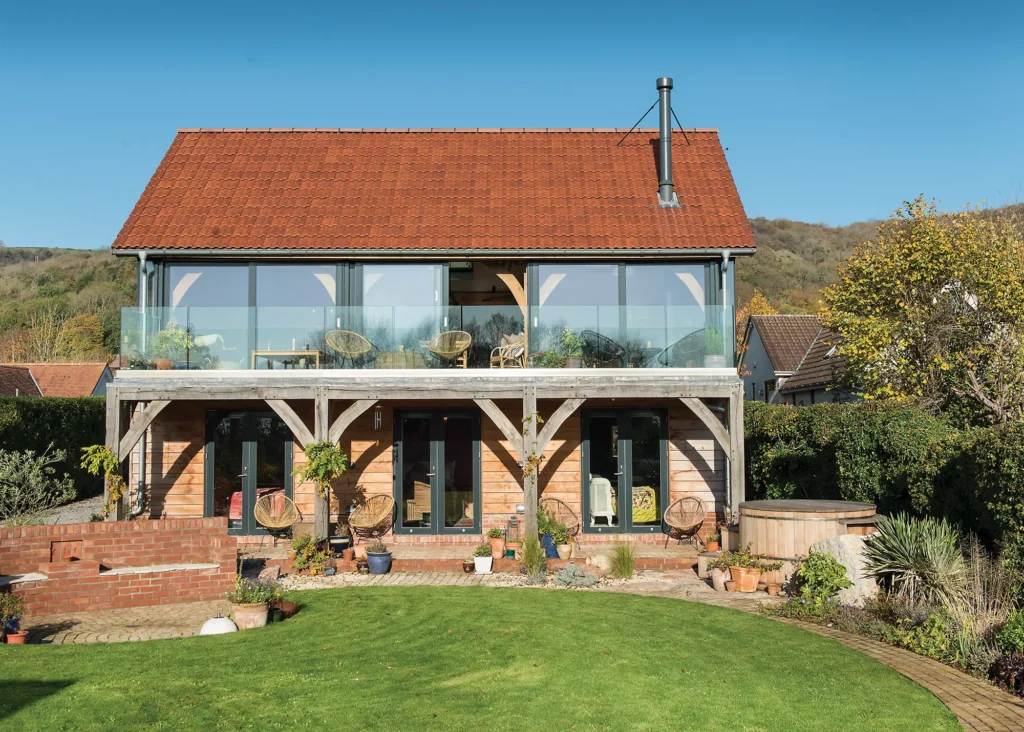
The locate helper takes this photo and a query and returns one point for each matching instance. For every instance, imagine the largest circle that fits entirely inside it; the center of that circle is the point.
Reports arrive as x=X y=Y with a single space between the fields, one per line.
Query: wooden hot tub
x=785 y=529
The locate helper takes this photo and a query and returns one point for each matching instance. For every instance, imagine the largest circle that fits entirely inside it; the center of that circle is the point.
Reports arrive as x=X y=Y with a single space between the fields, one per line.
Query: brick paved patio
x=979 y=705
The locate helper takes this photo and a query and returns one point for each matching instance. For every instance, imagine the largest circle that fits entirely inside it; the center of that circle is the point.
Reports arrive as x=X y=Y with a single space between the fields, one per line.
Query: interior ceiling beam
x=346 y=418
x=295 y=424
x=503 y=423
x=140 y=425
x=705 y=415
x=557 y=419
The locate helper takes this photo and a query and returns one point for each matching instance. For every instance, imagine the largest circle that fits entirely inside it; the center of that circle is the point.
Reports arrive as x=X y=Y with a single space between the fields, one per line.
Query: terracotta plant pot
x=348 y=554
x=292 y=554
x=574 y=363
x=163 y=364
x=497 y=547
x=360 y=552
x=745 y=578
x=564 y=551
x=773 y=588
x=712 y=546
x=730 y=586
x=251 y=615
x=17 y=637
x=718 y=579
x=515 y=546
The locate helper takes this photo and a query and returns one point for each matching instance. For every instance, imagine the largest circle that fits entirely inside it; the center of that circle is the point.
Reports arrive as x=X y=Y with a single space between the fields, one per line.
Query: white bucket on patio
x=483 y=565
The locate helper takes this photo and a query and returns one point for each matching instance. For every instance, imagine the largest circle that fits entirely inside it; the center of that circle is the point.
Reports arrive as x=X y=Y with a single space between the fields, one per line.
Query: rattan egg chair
x=452 y=345
x=373 y=519
x=276 y=512
x=349 y=345
x=684 y=518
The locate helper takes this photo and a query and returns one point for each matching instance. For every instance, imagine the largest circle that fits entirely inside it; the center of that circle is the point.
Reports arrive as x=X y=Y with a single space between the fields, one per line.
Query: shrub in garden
x=573 y=576
x=623 y=561
x=1011 y=636
x=533 y=559
x=249 y=591
x=917 y=559
x=1008 y=672
x=820 y=577
x=30 y=484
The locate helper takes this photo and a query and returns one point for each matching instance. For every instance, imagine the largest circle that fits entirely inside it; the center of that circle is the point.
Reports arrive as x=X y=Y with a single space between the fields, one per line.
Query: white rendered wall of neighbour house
x=756 y=370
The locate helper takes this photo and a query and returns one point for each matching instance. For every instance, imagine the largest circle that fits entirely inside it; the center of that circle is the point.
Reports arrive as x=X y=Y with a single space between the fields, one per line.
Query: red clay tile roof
x=820 y=367
x=17 y=381
x=435 y=190
x=786 y=338
x=66 y=379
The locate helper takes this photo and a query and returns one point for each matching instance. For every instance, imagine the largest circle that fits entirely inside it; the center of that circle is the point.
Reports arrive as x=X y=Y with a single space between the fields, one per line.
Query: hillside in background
x=794 y=262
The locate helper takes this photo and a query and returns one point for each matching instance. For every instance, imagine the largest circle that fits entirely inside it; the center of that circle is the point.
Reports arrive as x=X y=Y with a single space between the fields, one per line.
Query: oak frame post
x=531 y=462
x=321 y=431
x=737 y=464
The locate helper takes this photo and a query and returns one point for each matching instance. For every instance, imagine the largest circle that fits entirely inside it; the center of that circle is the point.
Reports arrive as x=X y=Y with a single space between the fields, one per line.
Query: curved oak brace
x=555 y=421
x=145 y=419
x=346 y=418
x=290 y=418
x=515 y=439
x=705 y=415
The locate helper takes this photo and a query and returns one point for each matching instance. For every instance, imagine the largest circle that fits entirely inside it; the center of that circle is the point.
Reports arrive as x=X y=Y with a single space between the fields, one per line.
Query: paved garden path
x=978 y=704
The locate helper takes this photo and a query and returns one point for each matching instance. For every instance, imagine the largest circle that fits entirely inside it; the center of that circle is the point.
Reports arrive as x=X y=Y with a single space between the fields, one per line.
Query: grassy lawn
x=471 y=658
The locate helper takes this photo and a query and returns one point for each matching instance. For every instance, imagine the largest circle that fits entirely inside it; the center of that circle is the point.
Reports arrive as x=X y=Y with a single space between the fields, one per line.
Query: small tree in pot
x=325 y=462
x=497 y=539
x=561 y=539
x=571 y=346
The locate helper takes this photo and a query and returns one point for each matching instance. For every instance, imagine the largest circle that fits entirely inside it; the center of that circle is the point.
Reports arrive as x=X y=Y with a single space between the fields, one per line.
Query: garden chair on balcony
x=452 y=346
x=351 y=346
x=511 y=354
x=601 y=351
x=374 y=518
x=687 y=352
x=684 y=518
x=563 y=515
x=601 y=501
x=276 y=512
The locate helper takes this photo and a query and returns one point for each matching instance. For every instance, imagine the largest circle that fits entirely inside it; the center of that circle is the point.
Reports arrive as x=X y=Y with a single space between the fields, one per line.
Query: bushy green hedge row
x=33 y=423
x=899 y=458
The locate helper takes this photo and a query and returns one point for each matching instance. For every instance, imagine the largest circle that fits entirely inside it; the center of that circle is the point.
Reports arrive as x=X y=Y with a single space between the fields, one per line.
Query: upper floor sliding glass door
x=630 y=315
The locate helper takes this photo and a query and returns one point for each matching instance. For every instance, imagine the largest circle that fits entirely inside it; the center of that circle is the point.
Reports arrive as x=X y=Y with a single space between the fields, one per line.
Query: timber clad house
x=416 y=295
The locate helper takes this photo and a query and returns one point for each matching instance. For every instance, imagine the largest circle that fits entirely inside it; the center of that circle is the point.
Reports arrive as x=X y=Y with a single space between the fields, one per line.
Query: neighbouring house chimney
x=666 y=189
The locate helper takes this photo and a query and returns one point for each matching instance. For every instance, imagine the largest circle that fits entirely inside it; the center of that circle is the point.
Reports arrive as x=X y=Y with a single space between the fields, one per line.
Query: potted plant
x=497 y=539
x=572 y=348
x=250 y=600
x=482 y=559
x=378 y=558
x=712 y=543
x=746 y=567
x=714 y=348
x=330 y=566
x=173 y=345
x=549 y=360
x=561 y=539
x=11 y=609
x=720 y=573
x=546 y=527
x=468 y=565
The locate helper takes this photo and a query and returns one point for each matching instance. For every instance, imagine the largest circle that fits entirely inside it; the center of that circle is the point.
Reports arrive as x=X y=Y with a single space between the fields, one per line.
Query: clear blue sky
x=832 y=115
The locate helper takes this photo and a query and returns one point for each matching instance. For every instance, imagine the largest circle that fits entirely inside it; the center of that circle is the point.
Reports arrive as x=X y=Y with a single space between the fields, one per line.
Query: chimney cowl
x=666 y=189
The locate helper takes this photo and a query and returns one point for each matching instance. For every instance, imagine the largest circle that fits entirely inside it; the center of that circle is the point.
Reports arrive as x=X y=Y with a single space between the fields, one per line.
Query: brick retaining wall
x=120 y=564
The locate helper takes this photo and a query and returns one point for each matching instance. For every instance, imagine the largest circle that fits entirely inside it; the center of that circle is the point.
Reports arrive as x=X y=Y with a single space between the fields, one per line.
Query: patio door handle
x=431 y=475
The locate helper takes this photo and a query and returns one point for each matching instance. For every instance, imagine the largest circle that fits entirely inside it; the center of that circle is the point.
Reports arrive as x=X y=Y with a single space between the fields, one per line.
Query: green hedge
x=899 y=458
x=32 y=423
x=856 y=452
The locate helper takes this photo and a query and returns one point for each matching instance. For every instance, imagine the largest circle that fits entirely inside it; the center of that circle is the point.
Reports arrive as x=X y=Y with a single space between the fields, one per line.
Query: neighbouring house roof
x=786 y=338
x=435 y=190
x=820 y=366
x=17 y=381
x=69 y=379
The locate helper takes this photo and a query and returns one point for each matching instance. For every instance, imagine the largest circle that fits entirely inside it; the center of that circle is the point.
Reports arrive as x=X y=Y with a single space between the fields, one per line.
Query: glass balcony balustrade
x=383 y=337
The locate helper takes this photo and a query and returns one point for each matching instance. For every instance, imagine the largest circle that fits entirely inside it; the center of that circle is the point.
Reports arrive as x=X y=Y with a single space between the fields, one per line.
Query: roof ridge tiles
x=440 y=130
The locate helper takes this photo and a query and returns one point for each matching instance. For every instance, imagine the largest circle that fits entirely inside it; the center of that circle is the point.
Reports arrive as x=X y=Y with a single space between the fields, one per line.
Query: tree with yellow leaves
x=933 y=312
x=758 y=304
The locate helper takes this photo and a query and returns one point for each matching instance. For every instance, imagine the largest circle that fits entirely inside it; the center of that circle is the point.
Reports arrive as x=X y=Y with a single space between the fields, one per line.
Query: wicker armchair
x=349 y=345
x=684 y=518
x=452 y=345
x=374 y=518
x=276 y=512
x=511 y=354
x=563 y=515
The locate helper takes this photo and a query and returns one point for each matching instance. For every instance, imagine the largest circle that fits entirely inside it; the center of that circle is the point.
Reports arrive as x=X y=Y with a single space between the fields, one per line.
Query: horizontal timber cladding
x=176 y=461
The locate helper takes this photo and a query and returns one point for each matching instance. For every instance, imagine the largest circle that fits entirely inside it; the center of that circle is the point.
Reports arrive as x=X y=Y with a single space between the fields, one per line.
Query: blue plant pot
x=378 y=563
x=13 y=625
x=548 y=542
